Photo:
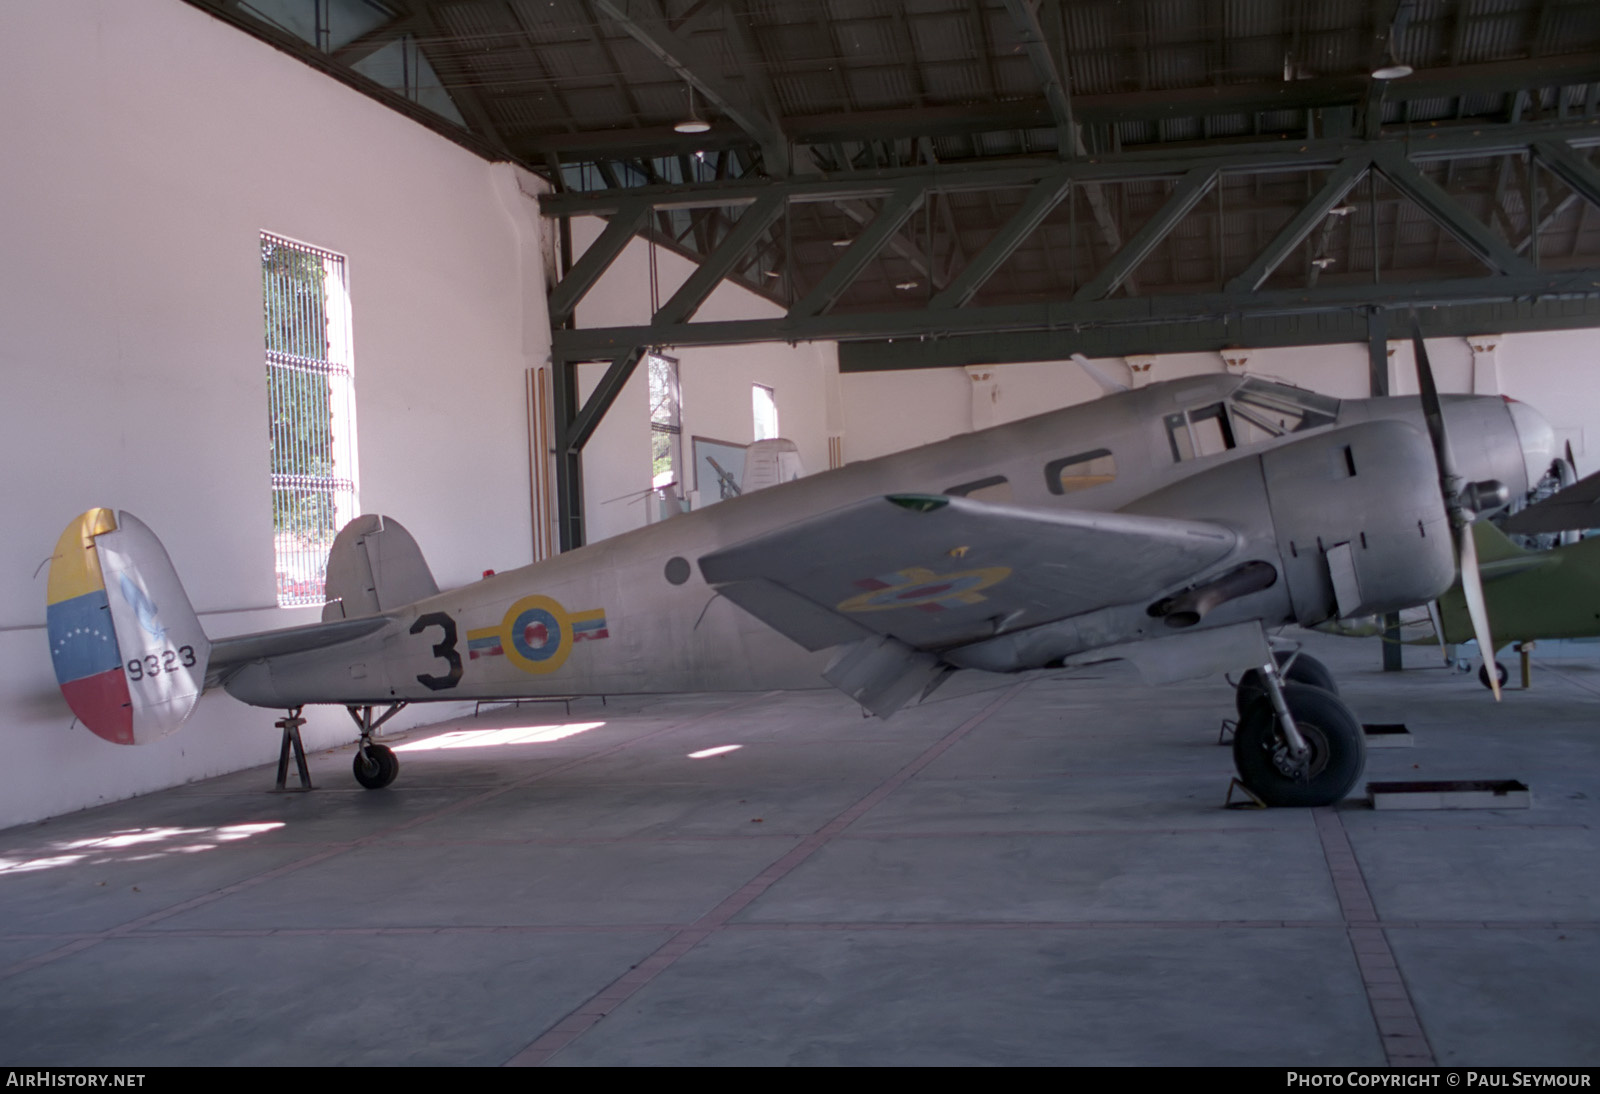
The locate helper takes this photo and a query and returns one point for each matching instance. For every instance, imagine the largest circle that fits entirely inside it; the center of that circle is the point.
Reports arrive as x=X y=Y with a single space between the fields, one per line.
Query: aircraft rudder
x=128 y=650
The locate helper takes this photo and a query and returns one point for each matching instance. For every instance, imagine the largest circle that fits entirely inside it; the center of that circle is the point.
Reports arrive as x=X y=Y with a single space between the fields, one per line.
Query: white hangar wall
x=147 y=146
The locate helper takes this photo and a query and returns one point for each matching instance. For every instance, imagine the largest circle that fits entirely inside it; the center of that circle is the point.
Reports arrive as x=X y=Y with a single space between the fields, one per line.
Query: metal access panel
x=1346 y=488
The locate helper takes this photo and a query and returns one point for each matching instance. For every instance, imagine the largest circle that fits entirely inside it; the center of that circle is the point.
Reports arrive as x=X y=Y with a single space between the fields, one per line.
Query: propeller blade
x=1433 y=412
x=1472 y=585
x=1460 y=517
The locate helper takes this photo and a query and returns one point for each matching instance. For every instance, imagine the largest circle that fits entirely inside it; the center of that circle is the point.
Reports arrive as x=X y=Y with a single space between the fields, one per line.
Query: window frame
x=321 y=501
x=1053 y=469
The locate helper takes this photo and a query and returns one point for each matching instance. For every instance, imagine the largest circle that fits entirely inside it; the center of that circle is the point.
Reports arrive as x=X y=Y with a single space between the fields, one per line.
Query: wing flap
x=808 y=623
x=934 y=571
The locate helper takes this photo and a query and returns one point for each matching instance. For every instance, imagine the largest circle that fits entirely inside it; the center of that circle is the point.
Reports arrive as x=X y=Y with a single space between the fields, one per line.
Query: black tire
x=1305 y=670
x=376 y=768
x=1330 y=728
x=1499 y=670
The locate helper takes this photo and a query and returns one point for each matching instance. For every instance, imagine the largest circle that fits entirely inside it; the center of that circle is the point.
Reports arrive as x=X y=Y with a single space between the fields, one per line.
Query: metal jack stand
x=290 y=724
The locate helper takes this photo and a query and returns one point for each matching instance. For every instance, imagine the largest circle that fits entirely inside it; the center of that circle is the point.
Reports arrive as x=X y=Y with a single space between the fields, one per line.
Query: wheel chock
x=1249 y=801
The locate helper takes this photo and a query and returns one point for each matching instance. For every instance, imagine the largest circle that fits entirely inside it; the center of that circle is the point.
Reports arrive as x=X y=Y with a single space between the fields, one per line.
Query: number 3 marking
x=445 y=648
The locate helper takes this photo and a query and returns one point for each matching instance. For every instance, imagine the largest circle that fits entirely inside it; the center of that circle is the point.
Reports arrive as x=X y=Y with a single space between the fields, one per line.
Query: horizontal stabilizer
x=228 y=654
x=1578 y=506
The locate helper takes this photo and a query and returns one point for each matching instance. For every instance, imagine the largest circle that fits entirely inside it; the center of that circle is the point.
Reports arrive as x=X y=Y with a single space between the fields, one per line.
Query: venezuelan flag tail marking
x=128 y=650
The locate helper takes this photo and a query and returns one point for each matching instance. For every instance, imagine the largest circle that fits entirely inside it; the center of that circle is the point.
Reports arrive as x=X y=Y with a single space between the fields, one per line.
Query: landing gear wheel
x=1338 y=750
x=1305 y=670
x=377 y=767
x=1499 y=670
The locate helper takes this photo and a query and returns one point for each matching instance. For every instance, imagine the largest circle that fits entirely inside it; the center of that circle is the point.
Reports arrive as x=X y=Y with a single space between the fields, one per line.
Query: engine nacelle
x=1360 y=523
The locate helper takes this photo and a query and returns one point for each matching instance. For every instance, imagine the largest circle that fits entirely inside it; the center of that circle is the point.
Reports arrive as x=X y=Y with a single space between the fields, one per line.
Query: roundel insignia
x=918 y=587
x=536 y=634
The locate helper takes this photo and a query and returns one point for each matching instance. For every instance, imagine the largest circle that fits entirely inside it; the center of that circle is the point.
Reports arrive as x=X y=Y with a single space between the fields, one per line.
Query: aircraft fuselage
x=1340 y=498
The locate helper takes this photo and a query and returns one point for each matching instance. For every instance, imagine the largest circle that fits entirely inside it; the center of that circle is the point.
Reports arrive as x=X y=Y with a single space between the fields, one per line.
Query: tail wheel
x=1305 y=670
x=376 y=766
x=1336 y=757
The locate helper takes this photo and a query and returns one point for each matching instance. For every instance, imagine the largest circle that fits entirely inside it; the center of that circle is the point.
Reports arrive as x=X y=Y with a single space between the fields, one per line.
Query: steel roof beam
x=693 y=292
x=582 y=427
x=1024 y=15
x=365 y=45
x=643 y=23
x=1039 y=203
x=468 y=98
x=1487 y=246
x=1338 y=184
x=1205 y=335
x=677 y=310
x=1573 y=169
x=1261 y=156
x=230 y=11
x=897 y=209
x=1130 y=106
x=622 y=227
x=605 y=343
x=1190 y=189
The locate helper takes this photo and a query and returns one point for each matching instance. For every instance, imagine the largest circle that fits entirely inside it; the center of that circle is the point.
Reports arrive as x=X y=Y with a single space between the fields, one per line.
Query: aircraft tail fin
x=1493 y=544
x=770 y=462
x=375 y=566
x=128 y=650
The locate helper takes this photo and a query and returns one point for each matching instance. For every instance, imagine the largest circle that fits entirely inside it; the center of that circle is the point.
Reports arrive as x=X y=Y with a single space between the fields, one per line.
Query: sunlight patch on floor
x=487 y=738
x=152 y=843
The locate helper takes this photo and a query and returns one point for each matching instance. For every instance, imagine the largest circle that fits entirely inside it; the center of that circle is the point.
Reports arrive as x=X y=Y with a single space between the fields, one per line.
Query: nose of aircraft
x=1538 y=440
x=1494 y=437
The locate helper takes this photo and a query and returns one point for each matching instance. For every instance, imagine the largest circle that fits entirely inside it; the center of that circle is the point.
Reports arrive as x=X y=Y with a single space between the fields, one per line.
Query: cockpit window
x=1203 y=431
x=1265 y=409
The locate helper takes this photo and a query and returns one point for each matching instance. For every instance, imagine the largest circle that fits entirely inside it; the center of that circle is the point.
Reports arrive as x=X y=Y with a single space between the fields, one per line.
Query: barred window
x=310 y=411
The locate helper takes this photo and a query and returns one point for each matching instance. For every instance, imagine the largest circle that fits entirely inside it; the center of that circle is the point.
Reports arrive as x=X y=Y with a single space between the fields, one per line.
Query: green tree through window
x=310 y=411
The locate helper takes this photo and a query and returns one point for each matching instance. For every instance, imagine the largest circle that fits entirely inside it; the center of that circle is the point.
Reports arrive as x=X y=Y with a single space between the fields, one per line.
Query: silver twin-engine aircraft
x=1172 y=526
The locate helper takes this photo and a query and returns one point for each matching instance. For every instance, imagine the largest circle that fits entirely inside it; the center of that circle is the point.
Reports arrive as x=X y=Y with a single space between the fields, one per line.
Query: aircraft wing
x=1578 y=506
x=934 y=571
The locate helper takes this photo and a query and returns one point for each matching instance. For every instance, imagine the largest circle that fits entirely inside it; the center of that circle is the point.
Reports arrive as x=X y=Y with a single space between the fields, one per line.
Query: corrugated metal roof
x=888 y=82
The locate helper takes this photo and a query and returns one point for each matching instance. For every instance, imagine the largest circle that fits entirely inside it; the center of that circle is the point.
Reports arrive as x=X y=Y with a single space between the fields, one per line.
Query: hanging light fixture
x=1391 y=69
x=694 y=123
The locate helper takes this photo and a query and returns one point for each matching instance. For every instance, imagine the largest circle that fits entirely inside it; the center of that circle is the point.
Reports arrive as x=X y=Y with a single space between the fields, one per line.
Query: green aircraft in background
x=1531 y=594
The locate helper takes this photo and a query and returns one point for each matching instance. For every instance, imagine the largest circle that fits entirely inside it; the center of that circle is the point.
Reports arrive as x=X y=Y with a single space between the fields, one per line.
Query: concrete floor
x=1018 y=872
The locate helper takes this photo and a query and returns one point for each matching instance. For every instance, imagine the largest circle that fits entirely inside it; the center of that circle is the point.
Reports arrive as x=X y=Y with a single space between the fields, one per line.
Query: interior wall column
x=985 y=394
x=1485 y=363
